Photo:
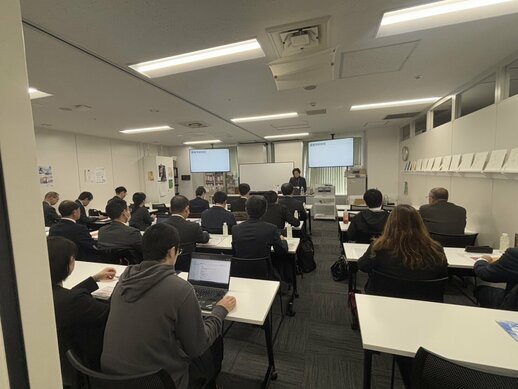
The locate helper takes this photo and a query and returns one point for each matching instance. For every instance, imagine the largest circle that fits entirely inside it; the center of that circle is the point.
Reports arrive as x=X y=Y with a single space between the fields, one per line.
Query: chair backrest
x=259 y=268
x=161 y=208
x=194 y=215
x=388 y=208
x=183 y=262
x=92 y=379
x=120 y=256
x=430 y=371
x=461 y=241
x=358 y=207
x=366 y=236
x=428 y=290
x=240 y=216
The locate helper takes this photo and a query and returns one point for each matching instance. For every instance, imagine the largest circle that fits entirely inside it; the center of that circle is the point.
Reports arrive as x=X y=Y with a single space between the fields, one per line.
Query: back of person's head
x=138 y=199
x=200 y=191
x=51 y=195
x=219 y=197
x=120 y=189
x=158 y=240
x=256 y=206
x=60 y=251
x=115 y=208
x=67 y=207
x=179 y=203
x=373 y=198
x=405 y=236
x=271 y=197
x=437 y=194
x=287 y=189
x=244 y=189
x=86 y=196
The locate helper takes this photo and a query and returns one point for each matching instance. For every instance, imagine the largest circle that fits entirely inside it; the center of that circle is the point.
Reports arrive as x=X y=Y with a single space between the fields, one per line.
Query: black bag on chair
x=306 y=255
x=339 y=269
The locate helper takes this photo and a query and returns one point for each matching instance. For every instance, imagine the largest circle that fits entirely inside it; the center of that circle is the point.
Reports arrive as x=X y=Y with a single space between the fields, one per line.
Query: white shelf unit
x=324 y=205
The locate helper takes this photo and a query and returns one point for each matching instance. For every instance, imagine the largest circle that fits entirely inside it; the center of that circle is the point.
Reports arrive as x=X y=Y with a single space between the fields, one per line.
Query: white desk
x=220 y=242
x=468 y=335
x=343 y=226
x=340 y=213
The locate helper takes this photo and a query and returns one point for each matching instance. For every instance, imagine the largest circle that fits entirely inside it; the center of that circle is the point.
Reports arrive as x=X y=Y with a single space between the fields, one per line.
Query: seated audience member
x=80 y=318
x=174 y=336
x=504 y=269
x=83 y=200
x=443 y=217
x=291 y=203
x=199 y=204
x=368 y=223
x=140 y=217
x=277 y=214
x=212 y=219
x=49 y=212
x=120 y=193
x=117 y=234
x=238 y=205
x=190 y=232
x=77 y=233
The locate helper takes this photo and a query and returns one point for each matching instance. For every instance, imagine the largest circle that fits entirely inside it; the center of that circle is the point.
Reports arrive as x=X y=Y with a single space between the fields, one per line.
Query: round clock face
x=405 y=153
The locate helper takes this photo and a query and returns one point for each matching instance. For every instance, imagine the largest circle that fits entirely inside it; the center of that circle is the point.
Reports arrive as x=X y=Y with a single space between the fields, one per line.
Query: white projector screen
x=329 y=153
x=265 y=176
x=210 y=160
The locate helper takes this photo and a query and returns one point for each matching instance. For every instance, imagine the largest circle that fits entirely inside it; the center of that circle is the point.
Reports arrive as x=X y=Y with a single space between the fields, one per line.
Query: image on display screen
x=330 y=153
x=209 y=270
x=210 y=161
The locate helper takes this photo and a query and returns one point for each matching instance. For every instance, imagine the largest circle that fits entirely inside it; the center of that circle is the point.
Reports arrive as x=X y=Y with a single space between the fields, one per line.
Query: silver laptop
x=209 y=274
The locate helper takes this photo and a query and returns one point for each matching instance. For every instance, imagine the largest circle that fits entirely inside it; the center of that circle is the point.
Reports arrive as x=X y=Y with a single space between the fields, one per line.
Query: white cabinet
x=324 y=205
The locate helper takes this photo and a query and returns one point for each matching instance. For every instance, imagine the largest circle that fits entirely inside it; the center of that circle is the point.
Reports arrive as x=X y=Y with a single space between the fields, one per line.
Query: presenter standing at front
x=298 y=182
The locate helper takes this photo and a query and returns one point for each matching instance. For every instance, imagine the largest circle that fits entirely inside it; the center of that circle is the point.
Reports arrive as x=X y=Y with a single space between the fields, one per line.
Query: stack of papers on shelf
x=446 y=161
x=511 y=166
x=465 y=163
x=455 y=162
x=496 y=161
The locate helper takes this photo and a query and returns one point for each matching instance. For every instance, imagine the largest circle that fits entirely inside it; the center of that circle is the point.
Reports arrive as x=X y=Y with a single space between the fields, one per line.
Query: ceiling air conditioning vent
x=194 y=124
x=406 y=115
x=313 y=112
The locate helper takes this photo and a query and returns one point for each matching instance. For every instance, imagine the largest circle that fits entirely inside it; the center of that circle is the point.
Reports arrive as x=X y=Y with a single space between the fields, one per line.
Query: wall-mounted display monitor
x=331 y=153
x=210 y=160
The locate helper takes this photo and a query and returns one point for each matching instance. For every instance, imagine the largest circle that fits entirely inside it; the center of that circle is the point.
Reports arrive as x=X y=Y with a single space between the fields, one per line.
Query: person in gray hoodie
x=155 y=321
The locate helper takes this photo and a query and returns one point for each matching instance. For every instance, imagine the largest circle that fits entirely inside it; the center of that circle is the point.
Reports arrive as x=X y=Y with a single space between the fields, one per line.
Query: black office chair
x=353 y=207
x=162 y=217
x=120 y=256
x=461 y=241
x=430 y=371
x=388 y=208
x=91 y=379
x=183 y=262
x=240 y=216
x=195 y=215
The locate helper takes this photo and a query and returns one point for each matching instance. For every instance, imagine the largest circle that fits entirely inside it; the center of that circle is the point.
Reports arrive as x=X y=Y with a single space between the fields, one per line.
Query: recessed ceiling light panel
x=265 y=117
x=399 y=103
x=147 y=129
x=287 y=135
x=200 y=142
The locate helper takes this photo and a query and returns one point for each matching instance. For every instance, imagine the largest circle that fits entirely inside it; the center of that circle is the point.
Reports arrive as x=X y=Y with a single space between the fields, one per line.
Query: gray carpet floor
x=317 y=347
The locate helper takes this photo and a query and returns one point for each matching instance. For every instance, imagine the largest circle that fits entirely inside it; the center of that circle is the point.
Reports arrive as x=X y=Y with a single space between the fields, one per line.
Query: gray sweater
x=155 y=322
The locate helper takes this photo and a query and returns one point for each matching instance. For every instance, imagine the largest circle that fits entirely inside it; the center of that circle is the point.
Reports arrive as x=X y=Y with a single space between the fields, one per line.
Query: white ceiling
x=124 y=32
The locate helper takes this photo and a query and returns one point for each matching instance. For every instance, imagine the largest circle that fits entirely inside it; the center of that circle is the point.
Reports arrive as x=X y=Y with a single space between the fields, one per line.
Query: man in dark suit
x=120 y=193
x=277 y=214
x=212 y=219
x=49 y=212
x=504 y=269
x=77 y=233
x=83 y=200
x=199 y=204
x=238 y=205
x=291 y=203
x=117 y=234
x=443 y=217
x=368 y=223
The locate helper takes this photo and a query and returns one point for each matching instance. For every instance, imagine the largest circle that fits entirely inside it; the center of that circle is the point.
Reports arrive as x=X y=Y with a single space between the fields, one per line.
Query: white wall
x=289 y=152
x=186 y=188
x=251 y=153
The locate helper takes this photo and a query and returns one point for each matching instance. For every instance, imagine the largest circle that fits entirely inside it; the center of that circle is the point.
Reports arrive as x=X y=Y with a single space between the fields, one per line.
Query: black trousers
x=206 y=367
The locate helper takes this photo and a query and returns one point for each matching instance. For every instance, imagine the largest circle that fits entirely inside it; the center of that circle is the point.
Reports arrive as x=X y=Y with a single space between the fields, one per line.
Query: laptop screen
x=206 y=271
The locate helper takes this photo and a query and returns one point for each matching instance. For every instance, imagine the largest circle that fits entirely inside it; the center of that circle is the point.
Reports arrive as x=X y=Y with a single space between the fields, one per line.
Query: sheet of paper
x=511 y=327
x=496 y=161
x=466 y=161
x=446 y=161
x=419 y=166
x=437 y=164
x=512 y=162
x=479 y=161
x=455 y=161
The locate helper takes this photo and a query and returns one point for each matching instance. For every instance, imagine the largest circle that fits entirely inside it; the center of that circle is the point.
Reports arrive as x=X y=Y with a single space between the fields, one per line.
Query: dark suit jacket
x=119 y=235
x=77 y=233
x=190 y=233
x=278 y=215
x=238 y=205
x=140 y=219
x=84 y=219
x=503 y=270
x=292 y=205
x=50 y=214
x=198 y=205
x=80 y=322
x=300 y=183
x=212 y=220
x=254 y=239
x=113 y=198
x=444 y=218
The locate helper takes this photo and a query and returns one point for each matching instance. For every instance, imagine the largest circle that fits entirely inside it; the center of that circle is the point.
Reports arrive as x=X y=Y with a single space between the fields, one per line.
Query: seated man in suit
x=49 y=212
x=212 y=219
x=278 y=214
x=238 y=205
x=77 y=233
x=443 y=217
x=504 y=269
x=83 y=200
x=199 y=204
x=117 y=234
x=368 y=223
x=120 y=193
x=291 y=203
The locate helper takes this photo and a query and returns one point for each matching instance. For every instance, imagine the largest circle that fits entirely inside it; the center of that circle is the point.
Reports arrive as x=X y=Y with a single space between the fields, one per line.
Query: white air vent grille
x=313 y=112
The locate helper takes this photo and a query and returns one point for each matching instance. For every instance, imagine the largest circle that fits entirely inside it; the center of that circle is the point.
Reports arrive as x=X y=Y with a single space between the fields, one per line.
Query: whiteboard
x=265 y=176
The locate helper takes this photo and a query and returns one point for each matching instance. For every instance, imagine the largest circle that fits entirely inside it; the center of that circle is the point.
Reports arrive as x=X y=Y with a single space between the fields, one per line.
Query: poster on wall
x=45 y=175
x=169 y=171
x=162 y=176
x=171 y=184
x=100 y=175
x=151 y=175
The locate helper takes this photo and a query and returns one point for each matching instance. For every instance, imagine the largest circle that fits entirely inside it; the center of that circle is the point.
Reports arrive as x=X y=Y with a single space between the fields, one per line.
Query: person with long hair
x=140 y=217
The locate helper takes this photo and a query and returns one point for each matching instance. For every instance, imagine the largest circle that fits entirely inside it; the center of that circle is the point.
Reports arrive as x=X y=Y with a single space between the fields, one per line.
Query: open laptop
x=209 y=274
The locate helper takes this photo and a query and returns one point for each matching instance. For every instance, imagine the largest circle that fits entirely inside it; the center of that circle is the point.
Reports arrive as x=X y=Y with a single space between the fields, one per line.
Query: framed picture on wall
x=162 y=174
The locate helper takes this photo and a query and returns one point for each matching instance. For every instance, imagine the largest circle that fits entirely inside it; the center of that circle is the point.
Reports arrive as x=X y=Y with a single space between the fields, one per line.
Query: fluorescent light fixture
x=201 y=142
x=442 y=13
x=147 y=129
x=265 y=117
x=286 y=135
x=215 y=56
x=389 y=104
x=37 y=94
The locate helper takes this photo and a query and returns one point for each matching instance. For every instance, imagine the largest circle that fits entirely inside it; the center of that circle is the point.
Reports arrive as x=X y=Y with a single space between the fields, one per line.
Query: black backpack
x=306 y=255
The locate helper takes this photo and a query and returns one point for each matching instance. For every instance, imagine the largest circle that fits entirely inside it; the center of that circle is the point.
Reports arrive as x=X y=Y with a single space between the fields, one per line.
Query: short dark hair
x=219 y=197
x=60 y=251
x=86 y=196
x=200 y=191
x=287 y=189
x=67 y=207
x=373 y=198
x=179 y=203
x=256 y=206
x=295 y=170
x=244 y=189
x=271 y=196
x=120 y=189
x=439 y=194
x=138 y=198
x=51 y=195
x=115 y=208
x=157 y=240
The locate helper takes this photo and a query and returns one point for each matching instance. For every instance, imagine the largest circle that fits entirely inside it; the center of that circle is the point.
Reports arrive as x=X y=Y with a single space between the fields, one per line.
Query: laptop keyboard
x=209 y=295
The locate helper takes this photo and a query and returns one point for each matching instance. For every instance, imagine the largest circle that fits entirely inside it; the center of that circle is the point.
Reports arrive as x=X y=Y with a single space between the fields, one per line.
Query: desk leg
x=294 y=293
x=367 y=369
x=309 y=220
x=271 y=373
x=353 y=271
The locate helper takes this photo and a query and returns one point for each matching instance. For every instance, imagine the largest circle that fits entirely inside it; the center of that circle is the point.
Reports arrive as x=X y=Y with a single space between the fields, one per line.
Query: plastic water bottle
x=225 y=229
x=289 y=232
x=504 y=242
x=302 y=191
x=296 y=214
